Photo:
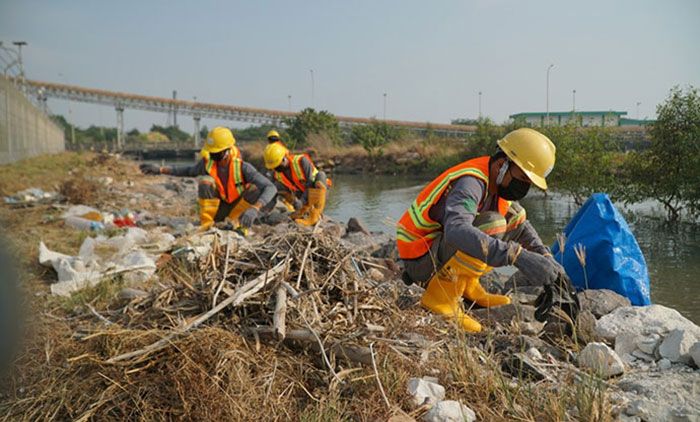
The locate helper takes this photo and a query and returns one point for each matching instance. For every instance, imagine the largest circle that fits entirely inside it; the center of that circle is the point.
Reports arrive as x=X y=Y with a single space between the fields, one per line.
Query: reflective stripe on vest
x=298 y=182
x=416 y=231
x=236 y=183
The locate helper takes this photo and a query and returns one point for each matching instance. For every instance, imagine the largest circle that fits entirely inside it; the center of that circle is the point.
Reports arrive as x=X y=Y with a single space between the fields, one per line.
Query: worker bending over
x=464 y=223
x=228 y=186
x=298 y=181
x=273 y=136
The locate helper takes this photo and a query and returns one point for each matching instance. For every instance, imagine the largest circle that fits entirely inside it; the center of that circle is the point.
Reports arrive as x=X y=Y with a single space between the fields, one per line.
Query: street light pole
x=385 y=106
x=312 y=88
x=574 y=106
x=548 y=69
x=479 y=104
x=289 y=101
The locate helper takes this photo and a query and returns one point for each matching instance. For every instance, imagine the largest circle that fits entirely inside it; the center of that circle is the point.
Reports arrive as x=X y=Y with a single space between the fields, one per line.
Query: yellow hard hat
x=274 y=153
x=273 y=134
x=219 y=139
x=532 y=151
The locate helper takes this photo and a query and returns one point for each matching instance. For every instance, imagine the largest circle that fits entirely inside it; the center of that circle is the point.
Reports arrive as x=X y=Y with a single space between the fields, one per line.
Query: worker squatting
x=461 y=225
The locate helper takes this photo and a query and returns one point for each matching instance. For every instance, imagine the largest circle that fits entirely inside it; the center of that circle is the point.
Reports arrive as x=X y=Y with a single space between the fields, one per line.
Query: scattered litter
x=132 y=254
x=31 y=196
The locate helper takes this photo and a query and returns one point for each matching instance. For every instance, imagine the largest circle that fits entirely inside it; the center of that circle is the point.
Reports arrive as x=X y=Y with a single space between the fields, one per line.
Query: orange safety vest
x=236 y=183
x=298 y=182
x=416 y=231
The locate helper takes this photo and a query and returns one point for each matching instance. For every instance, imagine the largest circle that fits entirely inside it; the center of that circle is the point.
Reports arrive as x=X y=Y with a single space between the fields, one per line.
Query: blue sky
x=431 y=58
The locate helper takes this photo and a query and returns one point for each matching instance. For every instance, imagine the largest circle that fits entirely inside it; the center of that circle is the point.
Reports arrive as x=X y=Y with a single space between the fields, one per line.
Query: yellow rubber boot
x=287 y=200
x=473 y=289
x=442 y=296
x=237 y=210
x=317 y=202
x=207 y=212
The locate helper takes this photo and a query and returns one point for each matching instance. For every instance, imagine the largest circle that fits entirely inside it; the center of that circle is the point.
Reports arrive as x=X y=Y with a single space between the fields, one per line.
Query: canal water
x=672 y=252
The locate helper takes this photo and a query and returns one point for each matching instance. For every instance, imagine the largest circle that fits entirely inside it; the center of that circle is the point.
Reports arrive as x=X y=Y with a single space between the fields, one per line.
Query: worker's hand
x=537 y=268
x=549 y=256
x=246 y=219
x=149 y=169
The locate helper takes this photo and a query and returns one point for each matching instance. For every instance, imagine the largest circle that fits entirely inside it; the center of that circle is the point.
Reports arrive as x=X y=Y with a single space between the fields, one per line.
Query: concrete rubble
x=601 y=359
x=425 y=391
x=450 y=411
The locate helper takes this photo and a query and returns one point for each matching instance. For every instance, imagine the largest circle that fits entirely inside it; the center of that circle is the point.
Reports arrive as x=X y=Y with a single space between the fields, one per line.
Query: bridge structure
x=198 y=110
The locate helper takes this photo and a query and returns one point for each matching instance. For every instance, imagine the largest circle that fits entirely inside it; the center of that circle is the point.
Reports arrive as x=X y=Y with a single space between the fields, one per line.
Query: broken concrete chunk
x=676 y=346
x=648 y=344
x=695 y=353
x=601 y=359
x=643 y=320
x=425 y=391
x=450 y=411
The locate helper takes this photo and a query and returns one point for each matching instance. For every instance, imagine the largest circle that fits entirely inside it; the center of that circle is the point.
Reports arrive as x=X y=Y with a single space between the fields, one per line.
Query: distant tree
x=204 y=132
x=173 y=133
x=669 y=170
x=310 y=122
x=374 y=136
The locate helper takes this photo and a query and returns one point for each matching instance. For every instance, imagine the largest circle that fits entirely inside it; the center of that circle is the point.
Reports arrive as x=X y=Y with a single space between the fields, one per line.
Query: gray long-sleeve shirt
x=250 y=175
x=456 y=212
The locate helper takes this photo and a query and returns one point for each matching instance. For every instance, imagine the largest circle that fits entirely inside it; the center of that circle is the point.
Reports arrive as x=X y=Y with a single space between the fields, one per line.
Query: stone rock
x=425 y=391
x=601 y=301
x=354 y=225
x=523 y=366
x=274 y=217
x=401 y=418
x=676 y=346
x=601 y=359
x=642 y=356
x=585 y=326
x=626 y=343
x=695 y=353
x=664 y=364
x=662 y=396
x=450 y=411
x=648 y=344
x=388 y=250
x=493 y=282
x=506 y=313
x=643 y=320
x=518 y=281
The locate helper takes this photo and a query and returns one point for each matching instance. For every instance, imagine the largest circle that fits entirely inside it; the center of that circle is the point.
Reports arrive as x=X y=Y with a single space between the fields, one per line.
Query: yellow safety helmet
x=219 y=139
x=273 y=135
x=274 y=154
x=532 y=151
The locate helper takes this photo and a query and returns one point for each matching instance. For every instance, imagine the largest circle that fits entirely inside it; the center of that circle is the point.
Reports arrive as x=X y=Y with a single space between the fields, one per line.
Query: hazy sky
x=430 y=57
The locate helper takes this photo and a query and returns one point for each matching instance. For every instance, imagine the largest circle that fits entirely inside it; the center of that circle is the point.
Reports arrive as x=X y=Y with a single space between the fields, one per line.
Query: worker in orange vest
x=465 y=222
x=298 y=181
x=228 y=186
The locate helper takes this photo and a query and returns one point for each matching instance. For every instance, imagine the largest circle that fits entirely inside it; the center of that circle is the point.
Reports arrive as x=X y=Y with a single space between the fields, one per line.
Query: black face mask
x=516 y=190
x=218 y=156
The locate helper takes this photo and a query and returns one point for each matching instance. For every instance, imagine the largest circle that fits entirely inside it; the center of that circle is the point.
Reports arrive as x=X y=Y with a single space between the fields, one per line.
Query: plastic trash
x=84 y=224
x=613 y=258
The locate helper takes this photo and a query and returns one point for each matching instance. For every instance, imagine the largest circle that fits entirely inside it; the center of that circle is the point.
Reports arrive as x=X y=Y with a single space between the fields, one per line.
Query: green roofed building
x=583 y=118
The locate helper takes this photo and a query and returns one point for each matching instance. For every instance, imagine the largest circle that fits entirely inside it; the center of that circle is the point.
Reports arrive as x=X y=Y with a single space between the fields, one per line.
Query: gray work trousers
x=421 y=270
x=206 y=189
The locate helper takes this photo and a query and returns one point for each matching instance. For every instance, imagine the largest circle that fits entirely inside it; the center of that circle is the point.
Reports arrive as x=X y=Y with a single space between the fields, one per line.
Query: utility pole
x=313 y=105
x=19 y=45
x=174 y=108
x=385 y=106
x=573 y=108
x=548 y=69
x=479 y=104
x=289 y=102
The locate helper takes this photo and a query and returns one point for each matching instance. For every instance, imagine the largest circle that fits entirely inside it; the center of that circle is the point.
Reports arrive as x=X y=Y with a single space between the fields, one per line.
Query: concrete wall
x=25 y=131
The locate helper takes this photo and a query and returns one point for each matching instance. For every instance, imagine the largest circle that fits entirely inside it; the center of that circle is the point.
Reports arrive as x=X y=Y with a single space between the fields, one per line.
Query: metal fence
x=25 y=130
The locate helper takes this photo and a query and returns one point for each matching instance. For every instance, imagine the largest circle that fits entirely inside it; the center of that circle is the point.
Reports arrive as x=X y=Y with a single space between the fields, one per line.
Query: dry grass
x=220 y=372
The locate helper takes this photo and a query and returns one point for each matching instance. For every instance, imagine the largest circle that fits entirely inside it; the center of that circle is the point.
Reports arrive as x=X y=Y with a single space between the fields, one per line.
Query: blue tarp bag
x=613 y=258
